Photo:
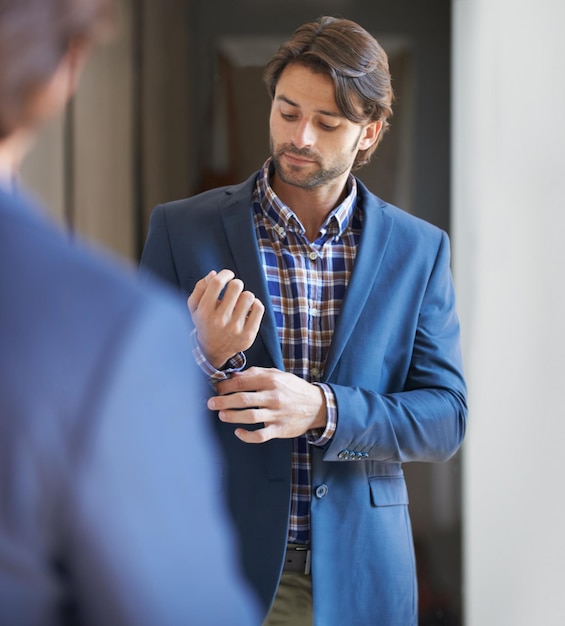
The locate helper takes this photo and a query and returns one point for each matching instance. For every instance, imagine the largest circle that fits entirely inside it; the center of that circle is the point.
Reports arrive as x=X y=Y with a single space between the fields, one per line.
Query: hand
x=287 y=405
x=228 y=325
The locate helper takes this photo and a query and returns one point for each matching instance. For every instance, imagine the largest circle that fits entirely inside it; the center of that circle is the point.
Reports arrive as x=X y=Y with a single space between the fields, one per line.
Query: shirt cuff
x=322 y=436
x=234 y=364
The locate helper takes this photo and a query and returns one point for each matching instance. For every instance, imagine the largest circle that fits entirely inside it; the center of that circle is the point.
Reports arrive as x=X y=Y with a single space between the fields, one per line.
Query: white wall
x=508 y=236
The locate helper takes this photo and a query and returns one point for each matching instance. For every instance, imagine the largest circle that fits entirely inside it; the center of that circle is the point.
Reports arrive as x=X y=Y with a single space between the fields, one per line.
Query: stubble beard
x=295 y=176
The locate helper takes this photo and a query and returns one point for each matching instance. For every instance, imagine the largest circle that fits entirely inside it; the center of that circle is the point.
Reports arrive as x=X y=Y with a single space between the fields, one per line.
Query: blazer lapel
x=377 y=228
x=237 y=217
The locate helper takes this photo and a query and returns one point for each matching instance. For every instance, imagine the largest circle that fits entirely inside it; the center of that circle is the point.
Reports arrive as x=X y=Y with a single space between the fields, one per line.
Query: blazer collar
x=375 y=237
x=237 y=217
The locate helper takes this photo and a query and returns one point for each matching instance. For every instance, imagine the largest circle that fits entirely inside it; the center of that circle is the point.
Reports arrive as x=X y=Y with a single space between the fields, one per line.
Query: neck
x=311 y=206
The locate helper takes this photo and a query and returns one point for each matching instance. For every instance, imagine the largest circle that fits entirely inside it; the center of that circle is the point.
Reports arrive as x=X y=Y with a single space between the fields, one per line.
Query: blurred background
x=175 y=105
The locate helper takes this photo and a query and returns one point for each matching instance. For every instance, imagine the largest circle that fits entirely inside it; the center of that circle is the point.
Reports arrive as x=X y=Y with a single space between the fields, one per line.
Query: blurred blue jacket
x=109 y=495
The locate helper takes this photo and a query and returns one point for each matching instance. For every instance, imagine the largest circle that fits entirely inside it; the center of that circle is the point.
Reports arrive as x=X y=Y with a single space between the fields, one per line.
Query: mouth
x=295 y=159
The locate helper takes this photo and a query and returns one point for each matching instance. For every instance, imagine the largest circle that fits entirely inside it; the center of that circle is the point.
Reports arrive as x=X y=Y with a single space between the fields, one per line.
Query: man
x=109 y=509
x=325 y=318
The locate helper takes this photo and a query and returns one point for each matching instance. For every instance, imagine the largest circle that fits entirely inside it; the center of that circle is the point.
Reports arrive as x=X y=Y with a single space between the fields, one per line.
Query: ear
x=64 y=82
x=73 y=64
x=370 y=134
x=59 y=89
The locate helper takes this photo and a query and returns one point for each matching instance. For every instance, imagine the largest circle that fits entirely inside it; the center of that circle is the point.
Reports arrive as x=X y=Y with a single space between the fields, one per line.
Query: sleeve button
x=321 y=491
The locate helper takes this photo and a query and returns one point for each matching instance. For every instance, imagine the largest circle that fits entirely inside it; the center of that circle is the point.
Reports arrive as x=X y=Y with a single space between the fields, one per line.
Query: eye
x=327 y=127
x=288 y=116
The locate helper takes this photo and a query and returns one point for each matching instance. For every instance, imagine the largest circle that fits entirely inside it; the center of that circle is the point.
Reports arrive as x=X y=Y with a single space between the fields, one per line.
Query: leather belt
x=297 y=559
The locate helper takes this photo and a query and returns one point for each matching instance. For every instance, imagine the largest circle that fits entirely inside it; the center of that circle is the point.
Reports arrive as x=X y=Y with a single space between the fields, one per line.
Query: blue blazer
x=109 y=505
x=395 y=367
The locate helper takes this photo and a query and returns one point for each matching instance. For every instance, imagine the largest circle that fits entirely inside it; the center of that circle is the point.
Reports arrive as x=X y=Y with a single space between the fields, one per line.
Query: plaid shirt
x=307 y=283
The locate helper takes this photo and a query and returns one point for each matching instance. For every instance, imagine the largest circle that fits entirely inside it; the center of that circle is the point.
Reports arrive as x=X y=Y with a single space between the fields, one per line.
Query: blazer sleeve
x=111 y=493
x=147 y=514
x=423 y=418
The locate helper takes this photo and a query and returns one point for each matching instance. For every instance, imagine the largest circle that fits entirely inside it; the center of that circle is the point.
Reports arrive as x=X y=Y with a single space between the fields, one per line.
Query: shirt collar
x=283 y=217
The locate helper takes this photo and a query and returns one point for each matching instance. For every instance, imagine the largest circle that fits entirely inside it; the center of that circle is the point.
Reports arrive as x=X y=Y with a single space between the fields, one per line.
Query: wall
x=124 y=143
x=509 y=222
x=426 y=25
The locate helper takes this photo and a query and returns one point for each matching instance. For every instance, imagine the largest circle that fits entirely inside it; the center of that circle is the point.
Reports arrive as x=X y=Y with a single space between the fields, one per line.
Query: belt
x=297 y=559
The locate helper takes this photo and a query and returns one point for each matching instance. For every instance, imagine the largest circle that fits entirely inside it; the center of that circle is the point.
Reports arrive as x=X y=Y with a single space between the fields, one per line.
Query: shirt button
x=312 y=255
x=314 y=372
x=321 y=491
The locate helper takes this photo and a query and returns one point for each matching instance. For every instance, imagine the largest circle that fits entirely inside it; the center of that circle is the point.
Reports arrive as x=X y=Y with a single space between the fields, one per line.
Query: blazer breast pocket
x=388 y=491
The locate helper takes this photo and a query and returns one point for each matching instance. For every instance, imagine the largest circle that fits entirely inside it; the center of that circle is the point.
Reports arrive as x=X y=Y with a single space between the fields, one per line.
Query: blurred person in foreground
x=325 y=317
x=109 y=510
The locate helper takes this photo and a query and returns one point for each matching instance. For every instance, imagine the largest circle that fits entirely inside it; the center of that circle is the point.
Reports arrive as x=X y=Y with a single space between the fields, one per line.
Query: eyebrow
x=320 y=111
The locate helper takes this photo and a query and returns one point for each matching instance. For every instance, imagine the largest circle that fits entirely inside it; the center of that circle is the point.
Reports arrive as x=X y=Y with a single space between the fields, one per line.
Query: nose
x=303 y=135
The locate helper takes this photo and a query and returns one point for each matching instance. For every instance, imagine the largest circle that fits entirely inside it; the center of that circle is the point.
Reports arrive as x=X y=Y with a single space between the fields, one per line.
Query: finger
x=248 y=380
x=230 y=297
x=243 y=305
x=242 y=416
x=256 y=379
x=198 y=291
x=214 y=286
x=235 y=401
x=253 y=321
x=261 y=435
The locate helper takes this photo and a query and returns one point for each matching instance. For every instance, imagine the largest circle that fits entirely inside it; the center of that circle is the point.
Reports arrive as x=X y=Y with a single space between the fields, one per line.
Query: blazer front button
x=321 y=491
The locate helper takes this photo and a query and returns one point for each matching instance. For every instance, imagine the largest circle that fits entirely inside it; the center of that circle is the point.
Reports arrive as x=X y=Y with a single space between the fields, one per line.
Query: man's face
x=312 y=144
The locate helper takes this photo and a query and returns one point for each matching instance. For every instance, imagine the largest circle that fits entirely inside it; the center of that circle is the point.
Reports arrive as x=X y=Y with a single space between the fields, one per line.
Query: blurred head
x=353 y=60
x=36 y=37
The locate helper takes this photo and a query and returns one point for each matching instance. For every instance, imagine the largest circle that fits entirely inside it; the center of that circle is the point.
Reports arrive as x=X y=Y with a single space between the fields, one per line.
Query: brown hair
x=34 y=37
x=355 y=62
